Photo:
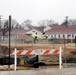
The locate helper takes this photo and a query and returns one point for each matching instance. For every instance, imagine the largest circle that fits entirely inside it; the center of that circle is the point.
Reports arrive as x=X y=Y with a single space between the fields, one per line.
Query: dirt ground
x=68 y=48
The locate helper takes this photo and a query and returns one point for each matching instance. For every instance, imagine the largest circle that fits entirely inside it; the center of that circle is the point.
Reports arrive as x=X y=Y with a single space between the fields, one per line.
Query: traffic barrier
x=35 y=52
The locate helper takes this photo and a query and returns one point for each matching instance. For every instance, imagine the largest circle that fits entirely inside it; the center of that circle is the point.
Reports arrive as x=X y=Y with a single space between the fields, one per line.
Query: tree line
x=28 y=23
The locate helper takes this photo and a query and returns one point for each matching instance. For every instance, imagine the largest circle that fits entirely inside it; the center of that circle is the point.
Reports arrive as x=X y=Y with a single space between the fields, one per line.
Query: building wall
x=67 y=36
x=47 y=28
x=33 y=31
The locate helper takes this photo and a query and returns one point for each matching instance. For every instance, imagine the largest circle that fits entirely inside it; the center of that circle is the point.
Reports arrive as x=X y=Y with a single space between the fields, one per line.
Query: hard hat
x=36 y=32
x=43 y=32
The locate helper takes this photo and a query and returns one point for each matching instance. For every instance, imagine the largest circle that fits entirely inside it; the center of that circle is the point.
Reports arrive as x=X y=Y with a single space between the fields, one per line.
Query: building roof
x=18 y=31
x=25 y=37
x=38 y=28
x=62 y=29
x=53 y=29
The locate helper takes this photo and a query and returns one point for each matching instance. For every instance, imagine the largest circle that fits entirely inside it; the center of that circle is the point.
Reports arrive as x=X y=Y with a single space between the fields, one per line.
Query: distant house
x=33 y=31
x=47 y=28
x=15 y=33
x=61 y=32
x=18 y=32
x=51 y=32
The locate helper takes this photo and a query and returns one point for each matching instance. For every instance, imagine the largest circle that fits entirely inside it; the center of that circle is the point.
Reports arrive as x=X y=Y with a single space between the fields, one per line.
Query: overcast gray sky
x=37 y=10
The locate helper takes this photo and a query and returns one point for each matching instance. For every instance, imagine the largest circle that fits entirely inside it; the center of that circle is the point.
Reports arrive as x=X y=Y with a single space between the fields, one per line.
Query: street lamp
x=64 y=39
x=66 y=21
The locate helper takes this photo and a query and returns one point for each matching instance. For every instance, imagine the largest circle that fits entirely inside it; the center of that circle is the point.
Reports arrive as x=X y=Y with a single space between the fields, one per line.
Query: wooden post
x=75 y=42
x=9 y=38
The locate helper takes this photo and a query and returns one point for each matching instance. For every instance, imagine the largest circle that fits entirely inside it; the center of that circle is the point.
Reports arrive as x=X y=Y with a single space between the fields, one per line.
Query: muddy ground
x=68 y=51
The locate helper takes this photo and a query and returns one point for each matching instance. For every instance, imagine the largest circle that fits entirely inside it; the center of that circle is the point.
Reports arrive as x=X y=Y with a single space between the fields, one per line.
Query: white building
x=61 y=32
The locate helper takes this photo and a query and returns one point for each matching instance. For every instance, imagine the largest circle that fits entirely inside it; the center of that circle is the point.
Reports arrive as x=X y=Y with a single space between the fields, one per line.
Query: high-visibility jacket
x=35 y=36
x=44 y=37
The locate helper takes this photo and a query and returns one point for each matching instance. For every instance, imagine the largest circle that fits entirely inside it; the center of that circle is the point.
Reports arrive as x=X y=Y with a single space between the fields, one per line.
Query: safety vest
x=44 y=37
x=35 y=36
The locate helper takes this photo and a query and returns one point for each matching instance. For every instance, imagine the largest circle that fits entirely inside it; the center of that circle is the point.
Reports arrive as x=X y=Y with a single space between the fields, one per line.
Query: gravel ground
x=51 y=71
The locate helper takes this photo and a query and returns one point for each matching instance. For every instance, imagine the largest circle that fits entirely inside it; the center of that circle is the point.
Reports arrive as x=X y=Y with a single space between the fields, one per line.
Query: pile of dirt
x=3 y=50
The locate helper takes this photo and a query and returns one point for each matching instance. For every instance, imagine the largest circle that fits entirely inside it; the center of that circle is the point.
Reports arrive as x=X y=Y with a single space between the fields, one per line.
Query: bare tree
x=14 y=23
x=69 y=22
x=50 y=22
x=46 y=22
x=42 y=25
x=72 y=22
x=63 y=23
x=5 y=28
x=27 y=23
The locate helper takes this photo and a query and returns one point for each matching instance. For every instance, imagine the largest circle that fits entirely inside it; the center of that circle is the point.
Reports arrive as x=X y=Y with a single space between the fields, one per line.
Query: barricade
x=37 y=52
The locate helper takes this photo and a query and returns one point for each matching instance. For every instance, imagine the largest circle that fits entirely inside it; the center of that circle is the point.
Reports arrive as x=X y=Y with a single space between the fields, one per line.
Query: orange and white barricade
x=37 y=52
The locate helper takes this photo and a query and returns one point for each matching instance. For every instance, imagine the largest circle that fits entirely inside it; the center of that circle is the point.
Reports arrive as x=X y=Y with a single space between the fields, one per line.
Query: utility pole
x=0 y=21
x=75 y=42
x=0 y=27
x=64 y=39
x=66 y=21
x=9 y=39
x=64 y=48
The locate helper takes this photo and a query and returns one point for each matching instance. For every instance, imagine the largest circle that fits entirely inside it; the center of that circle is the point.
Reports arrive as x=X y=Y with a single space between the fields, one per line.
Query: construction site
x=19 y=51
x=51 y=60
x=45 y=60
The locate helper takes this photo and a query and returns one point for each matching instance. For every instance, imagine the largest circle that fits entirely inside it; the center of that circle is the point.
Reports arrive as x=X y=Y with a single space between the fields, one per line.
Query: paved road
x=52 y=71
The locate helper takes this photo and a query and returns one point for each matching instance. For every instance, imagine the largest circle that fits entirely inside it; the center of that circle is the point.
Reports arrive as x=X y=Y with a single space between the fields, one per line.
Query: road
x=51 y=71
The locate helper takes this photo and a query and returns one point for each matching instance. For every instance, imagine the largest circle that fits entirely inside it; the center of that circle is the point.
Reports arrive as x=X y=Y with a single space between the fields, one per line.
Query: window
x=59 y=36
x=63 y=36
x=54 y=36
x=72 y=36
x=68 y=36
x=51 y=36
x=33 y=31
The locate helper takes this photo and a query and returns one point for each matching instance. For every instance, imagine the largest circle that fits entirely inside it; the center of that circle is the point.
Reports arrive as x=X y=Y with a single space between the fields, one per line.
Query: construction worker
x=44 y=37
x=35 y=36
